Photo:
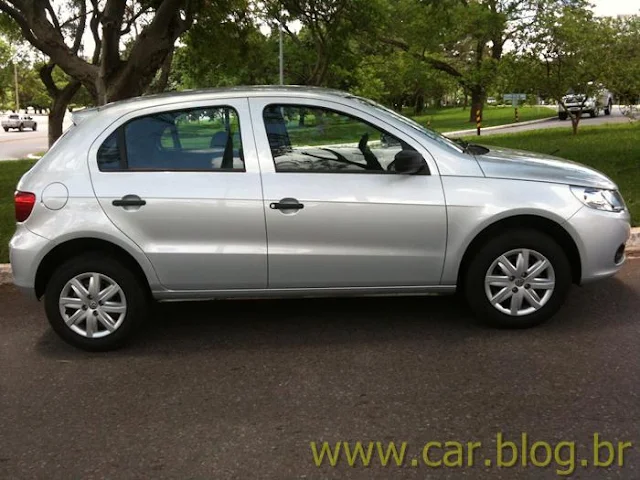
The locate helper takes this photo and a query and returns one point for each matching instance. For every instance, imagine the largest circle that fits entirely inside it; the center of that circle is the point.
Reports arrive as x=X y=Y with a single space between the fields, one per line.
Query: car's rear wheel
x=35 y=127
x=21 y=127
x=608 y=108
x=6 y=129
x=518 y=279
x=562 y=115
x=95 y=303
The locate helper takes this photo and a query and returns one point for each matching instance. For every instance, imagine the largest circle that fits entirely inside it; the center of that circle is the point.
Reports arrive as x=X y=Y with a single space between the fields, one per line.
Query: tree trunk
x=477 y=102
x=58 y=110
x=575 y=120
x=419 y=103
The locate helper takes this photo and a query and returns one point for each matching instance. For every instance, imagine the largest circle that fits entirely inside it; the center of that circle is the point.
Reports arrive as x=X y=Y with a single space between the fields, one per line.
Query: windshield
x=432 y=134
x=13 y=116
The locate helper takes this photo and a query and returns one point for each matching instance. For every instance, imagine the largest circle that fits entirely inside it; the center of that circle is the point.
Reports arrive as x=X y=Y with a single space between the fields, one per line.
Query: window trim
x=122 y=144
x=426 y=171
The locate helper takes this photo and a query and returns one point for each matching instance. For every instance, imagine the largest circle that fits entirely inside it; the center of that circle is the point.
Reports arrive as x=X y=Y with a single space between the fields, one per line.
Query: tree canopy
x=404 y=53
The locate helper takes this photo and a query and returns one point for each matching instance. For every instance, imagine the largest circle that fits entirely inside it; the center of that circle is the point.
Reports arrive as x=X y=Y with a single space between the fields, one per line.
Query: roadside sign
x=515 y=98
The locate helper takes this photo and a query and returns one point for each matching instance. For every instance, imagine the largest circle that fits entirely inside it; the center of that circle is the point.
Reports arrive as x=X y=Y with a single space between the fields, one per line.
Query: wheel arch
x=76 y=246
x=543 y=224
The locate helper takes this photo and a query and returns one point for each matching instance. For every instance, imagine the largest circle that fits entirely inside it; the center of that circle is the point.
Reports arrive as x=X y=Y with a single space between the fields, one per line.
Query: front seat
x=276 y=130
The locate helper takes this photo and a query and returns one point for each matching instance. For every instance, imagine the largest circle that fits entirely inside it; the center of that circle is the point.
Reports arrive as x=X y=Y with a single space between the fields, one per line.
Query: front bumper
x=599 y=236
x=26 y=250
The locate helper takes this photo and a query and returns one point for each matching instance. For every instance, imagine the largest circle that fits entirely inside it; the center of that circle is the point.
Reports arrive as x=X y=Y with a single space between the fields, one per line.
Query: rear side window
x=202 y=139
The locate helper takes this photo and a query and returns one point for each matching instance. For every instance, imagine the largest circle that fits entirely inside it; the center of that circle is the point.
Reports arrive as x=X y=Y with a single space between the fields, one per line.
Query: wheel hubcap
x=519 y=282
x=92 y=305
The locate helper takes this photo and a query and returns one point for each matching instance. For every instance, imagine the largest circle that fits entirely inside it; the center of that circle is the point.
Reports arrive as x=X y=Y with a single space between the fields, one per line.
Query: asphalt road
x=238 y=389
x=615 y=117
x=15 y=144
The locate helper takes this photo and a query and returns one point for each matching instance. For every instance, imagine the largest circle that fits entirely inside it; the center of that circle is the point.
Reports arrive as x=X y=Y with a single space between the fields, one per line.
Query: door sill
x=185 y=295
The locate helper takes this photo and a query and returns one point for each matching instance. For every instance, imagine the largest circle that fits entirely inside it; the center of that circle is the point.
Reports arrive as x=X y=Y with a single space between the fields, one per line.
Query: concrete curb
x=633 y=249
x=472 y=131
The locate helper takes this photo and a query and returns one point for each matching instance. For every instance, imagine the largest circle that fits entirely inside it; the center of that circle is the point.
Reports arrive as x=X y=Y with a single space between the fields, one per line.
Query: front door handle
x=129 y=201
x=286 y=204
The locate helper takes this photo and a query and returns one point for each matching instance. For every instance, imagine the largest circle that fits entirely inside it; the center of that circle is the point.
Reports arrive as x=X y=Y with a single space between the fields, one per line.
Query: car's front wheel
x=518 y=279
x=94 y=302
x=35 y=127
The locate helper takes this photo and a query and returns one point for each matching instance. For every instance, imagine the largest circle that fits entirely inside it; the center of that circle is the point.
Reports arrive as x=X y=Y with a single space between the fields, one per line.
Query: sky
x=615 y=7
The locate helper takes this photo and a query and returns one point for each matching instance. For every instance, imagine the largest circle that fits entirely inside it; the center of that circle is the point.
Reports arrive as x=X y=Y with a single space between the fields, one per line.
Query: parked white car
x=19 y=122
x=602 y=100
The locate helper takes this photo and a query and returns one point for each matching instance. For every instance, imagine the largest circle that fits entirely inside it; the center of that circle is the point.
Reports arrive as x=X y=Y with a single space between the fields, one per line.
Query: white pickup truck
x=19 y=122
x=576 y=103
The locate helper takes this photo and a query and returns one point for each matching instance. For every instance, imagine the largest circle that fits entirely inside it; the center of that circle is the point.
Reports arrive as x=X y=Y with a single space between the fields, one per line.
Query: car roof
x=211 y=93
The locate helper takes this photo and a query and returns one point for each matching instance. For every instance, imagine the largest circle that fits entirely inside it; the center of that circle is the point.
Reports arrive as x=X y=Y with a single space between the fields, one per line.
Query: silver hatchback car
x=287 y=191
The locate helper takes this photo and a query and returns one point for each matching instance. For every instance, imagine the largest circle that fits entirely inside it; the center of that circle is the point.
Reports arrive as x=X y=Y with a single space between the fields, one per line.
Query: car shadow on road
x=179 y=328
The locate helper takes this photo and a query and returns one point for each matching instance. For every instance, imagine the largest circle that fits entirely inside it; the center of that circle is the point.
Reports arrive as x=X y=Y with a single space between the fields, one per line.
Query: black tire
x=6 y=129
x=562 y=115
x=135 y=292
x=593 y=113
x=474 y=286
x=21 y=127
x=35 y=127
x=608 y=108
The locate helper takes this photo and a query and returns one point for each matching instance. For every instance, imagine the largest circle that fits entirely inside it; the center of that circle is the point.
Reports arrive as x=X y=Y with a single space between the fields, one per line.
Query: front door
x=183 y=182
x=337 y=213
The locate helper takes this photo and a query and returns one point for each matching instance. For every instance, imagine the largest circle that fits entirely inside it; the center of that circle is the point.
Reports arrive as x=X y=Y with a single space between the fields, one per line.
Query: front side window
x=195 y=139
x=313 y=139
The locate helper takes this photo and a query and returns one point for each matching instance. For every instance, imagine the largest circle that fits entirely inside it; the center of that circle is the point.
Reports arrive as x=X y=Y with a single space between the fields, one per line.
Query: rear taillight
x=24 y=202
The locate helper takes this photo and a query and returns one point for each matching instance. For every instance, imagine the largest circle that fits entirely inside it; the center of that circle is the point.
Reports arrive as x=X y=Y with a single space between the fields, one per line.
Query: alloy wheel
x=520 y=282
x=92 y=305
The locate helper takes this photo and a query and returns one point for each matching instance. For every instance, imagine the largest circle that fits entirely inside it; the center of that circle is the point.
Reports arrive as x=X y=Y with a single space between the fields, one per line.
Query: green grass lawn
x=613 y=149
x=10 y=173
x=452 y=119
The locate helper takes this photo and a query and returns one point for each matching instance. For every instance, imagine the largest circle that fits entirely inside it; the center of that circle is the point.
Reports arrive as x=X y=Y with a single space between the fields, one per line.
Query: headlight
x=600 y=199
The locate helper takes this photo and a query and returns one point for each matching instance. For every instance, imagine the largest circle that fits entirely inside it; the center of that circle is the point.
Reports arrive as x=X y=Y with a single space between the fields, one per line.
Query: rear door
x=337 y=213
x=183 y=182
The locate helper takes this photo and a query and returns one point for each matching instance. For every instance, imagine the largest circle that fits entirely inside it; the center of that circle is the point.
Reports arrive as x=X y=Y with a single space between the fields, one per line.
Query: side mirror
x=409 y=162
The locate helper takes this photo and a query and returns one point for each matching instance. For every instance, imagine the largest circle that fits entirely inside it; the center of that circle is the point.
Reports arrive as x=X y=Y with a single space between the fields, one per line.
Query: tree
x=328 y=27
x=566 y=52
x=149 y=27
x=242 y=54
x=397 y=79
x=463 y=38
x=622 y=68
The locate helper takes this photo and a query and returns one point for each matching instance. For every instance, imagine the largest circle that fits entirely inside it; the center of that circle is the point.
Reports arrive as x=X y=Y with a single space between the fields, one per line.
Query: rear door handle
x=286 y=204
x=129 y=201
